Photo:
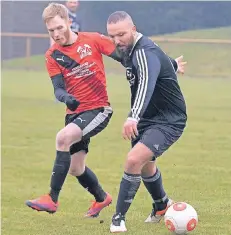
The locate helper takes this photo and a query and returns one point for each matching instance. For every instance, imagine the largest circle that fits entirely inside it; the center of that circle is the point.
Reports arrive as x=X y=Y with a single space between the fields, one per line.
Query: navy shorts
x=91 y=122
x=158 y=138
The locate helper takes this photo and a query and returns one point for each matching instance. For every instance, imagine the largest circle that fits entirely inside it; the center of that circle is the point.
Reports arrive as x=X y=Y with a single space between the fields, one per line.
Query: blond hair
x=54 y=9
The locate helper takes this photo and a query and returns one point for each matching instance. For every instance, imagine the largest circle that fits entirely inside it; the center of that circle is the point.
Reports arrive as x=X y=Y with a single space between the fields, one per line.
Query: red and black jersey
x=81 y=66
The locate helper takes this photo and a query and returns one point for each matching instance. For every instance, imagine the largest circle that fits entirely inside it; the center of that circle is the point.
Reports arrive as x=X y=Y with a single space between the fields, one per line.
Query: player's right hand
x=72 y=103
x=130 y=129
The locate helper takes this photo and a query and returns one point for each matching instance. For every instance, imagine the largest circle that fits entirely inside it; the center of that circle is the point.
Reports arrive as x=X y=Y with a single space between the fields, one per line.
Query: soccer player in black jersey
x=156 y=119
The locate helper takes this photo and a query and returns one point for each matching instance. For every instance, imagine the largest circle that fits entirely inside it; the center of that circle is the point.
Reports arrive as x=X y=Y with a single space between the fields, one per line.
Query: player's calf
x=49 y=202
x=77 y=166
x=129 y=185
x=154 y=185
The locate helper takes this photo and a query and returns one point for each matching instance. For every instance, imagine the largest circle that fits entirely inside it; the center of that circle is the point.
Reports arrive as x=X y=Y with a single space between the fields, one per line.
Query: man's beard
x=125 y=51
x=124 y=54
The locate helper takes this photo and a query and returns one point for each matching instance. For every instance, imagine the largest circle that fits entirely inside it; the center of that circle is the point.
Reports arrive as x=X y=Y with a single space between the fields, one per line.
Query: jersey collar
x=139 y=36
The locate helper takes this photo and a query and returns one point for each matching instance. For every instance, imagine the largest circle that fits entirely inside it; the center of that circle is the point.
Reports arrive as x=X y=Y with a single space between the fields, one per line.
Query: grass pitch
x=195 y=170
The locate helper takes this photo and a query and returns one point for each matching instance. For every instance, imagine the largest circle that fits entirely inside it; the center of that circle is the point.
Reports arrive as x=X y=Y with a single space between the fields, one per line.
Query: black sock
x=128 y=187
x=90 y=182
x=155 y=188
x=60 y=170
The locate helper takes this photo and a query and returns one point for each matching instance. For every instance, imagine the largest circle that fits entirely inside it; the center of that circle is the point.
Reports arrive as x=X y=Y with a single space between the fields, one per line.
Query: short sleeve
x=104 y=44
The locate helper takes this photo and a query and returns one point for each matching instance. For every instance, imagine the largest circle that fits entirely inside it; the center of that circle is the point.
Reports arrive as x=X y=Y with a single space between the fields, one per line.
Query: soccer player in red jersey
x=75 y=66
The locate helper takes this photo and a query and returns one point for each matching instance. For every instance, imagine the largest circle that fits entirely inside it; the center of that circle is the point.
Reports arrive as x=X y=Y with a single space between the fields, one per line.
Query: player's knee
x=63 y=140
x=132 y=161
x=67 y=136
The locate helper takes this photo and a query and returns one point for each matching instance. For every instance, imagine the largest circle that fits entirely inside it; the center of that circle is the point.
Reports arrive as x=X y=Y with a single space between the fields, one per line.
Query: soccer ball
x=181 y=218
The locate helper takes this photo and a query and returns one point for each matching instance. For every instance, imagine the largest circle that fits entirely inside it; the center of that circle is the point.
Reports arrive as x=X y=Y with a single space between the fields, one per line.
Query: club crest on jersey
x=130 y=76
x=84 y=50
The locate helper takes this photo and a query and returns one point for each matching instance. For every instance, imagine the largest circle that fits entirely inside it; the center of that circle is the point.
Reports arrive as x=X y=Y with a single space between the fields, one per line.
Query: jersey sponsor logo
x=84 y=51
x=82 y=70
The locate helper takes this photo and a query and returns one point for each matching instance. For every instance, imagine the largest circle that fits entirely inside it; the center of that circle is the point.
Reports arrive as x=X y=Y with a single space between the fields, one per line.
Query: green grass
x=196 y=169
x=204 y=60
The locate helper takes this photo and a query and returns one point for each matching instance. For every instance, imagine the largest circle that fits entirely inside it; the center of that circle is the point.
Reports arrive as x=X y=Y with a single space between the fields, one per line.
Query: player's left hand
x=181 y=64
x=130 y=129
x=71 y=102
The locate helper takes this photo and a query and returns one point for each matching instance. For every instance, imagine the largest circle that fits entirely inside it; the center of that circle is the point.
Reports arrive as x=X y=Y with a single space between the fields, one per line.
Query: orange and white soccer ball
x=181 y=218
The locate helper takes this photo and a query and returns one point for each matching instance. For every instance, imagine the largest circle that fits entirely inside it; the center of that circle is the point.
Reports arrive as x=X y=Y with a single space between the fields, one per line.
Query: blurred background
x=151 y=18
x=196 y=169
x=196 y=29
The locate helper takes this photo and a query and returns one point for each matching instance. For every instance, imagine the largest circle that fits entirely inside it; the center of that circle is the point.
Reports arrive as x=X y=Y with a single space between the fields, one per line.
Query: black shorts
x=91 y=122
x=158 y=138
